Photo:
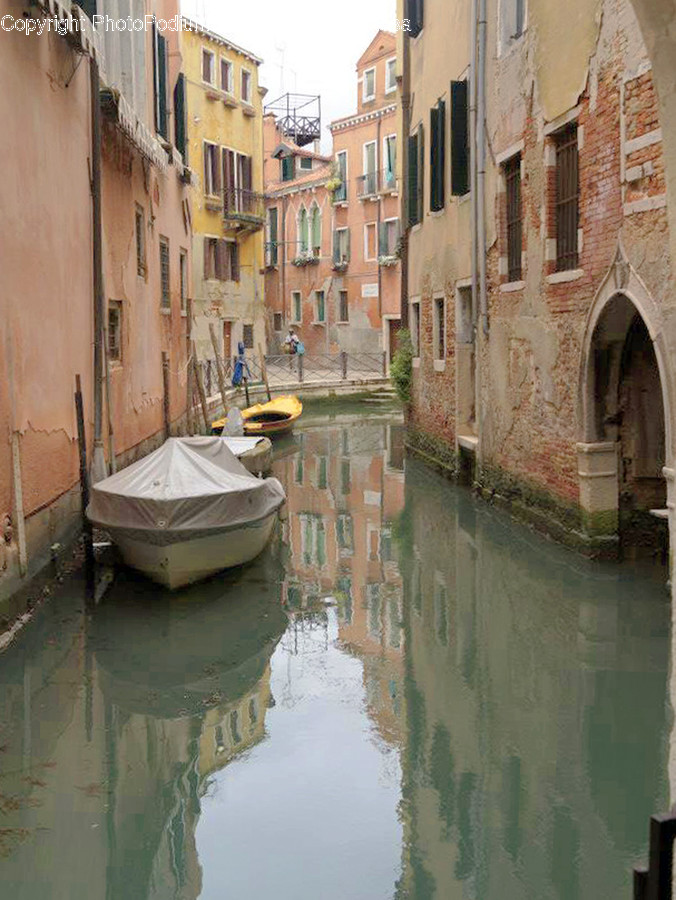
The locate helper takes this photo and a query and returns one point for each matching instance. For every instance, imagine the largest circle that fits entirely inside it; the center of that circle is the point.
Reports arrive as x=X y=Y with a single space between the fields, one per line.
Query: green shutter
x=336 y=247
x=347 y=244
x=180 y=116
x=273 y=235
x=434 y=158
x=413 y=217
x=460 y=153
x=161 y=85
x=382 y=239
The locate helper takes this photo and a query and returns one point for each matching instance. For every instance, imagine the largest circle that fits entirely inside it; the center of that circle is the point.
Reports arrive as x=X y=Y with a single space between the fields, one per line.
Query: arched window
x=303 y=237
x=316 y=229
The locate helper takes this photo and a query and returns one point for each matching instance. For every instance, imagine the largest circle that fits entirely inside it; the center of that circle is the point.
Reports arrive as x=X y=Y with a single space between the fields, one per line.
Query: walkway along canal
x=408 y=696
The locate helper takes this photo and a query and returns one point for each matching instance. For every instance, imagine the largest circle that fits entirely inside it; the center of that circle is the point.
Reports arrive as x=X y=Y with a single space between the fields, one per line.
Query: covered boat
x=187 y=511
x=277 y=416
x=255 y=453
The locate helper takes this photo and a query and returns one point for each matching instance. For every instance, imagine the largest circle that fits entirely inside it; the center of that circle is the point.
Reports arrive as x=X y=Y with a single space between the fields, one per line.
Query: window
x=160 y=79
x=164 y=271
x=439 y=328
x=341 y=245
x=345 y=531
x=115 y=330
x=341 y=161
x=212 y=170
x=221 y=260
x=320 y=309
x=181 y=117
x=437 y=156
x=303 y=231
x=416 y=176
x=207 y=66
x=278 y=321
x=414 y=12
x=183 y=274
x=272 y=246
x=415 y=327
x=512 y=21
x=369 y=85
x=370 y=241
x=297 y=307
x=248 y=336
x=389 y=238
x=370 y=185
x=390 y=161
x=322 y=472
x=316 y=230
x=512 y=175
x=306 y=162
x=390 y=75
x=464 y=331
x=459 y=139
x=288 y=168
x=345 y=476
x=567 y=198
x=343 y=309
x=246 y=86
x=227 y=79
x=140 y=241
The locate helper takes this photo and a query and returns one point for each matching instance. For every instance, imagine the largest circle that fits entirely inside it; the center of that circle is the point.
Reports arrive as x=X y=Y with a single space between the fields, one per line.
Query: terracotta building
x=367 y=205
x=541 y=361
x=300 y=288
x=51 y=256
x=333 y=237
x=225 y=138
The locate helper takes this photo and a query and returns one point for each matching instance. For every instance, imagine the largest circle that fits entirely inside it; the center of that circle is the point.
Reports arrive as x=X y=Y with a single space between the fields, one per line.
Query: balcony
x=374 y=184
x=243 y=210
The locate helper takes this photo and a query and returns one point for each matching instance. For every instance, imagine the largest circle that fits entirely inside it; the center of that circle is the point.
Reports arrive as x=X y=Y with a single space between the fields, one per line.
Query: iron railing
x=283 y=369
x=373 y=183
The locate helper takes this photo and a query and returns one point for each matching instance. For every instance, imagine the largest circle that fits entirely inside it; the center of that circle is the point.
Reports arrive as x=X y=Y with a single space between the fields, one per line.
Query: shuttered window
x=459 y=139
x=341 y=245
x=437 y=156
x=248 y=336
x=212 y=170
x=221 y=260
x=164 y=272
x=180 y=116
x=343 y=309
x=567 y=199
x=272 y=237
x=414 y=12
x=288 y=168
x=160 y=82
x=512 y=173
x=416 y=178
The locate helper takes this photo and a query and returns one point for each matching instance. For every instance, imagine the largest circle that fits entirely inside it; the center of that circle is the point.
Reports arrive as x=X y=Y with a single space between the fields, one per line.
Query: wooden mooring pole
x=264 y=371
x=220 y=374
x=87 y=531
x=167 y=397
x=200 y=388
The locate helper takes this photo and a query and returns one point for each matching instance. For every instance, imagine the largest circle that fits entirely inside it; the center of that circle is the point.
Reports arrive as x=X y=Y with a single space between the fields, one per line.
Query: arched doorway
x=626 y=419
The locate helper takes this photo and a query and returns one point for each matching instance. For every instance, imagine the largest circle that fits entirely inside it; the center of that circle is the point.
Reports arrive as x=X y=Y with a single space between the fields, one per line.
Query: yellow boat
x=278 y=416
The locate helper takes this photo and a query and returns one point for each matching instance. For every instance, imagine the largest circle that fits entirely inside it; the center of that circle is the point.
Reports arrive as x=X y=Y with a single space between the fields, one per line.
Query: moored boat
x=277 y=416
x=255 y=453
x=187 y=511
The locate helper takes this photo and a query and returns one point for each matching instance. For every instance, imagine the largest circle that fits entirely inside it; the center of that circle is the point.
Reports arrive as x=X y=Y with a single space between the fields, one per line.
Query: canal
x=408 y=696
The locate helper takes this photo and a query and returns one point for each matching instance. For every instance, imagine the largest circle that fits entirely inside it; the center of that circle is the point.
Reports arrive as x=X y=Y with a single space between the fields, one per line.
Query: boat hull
x=259 y=459
x=178 y=564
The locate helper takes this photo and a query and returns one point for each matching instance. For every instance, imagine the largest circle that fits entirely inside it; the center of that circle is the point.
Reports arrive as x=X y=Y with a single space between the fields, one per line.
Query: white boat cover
x=240 y=445
x=188 y=485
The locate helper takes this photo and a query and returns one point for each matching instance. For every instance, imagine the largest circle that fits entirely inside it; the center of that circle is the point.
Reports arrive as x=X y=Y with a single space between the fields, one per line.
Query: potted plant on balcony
x=305 y=258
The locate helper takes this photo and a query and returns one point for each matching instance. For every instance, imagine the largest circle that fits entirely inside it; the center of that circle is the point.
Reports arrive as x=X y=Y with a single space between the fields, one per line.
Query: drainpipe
x=405 y=128
x=481 y=164
x=380 y=218
x=473 y=162
x=99 y=469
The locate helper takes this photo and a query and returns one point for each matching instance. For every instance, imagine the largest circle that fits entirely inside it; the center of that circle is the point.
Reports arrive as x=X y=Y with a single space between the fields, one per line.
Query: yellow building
x=225 y=153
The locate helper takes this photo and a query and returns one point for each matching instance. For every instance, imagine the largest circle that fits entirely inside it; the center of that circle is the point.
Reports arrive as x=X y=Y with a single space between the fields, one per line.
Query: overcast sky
x=317 y=44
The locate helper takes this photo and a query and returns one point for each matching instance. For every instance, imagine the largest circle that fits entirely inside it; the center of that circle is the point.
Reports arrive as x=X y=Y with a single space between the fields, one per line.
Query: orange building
x=367 y=204
x=47 y=327
x=333 y=225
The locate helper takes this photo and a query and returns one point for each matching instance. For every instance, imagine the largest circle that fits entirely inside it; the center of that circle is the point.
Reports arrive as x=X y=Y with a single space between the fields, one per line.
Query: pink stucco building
x=47 y=321
x=333 y=269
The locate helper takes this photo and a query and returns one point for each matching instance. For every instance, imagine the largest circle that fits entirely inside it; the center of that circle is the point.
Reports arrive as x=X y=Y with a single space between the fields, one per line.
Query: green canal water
x=407 y=696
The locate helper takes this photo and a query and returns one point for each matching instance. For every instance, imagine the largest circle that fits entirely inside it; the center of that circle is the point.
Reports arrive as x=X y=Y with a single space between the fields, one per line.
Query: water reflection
x=408 y=696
